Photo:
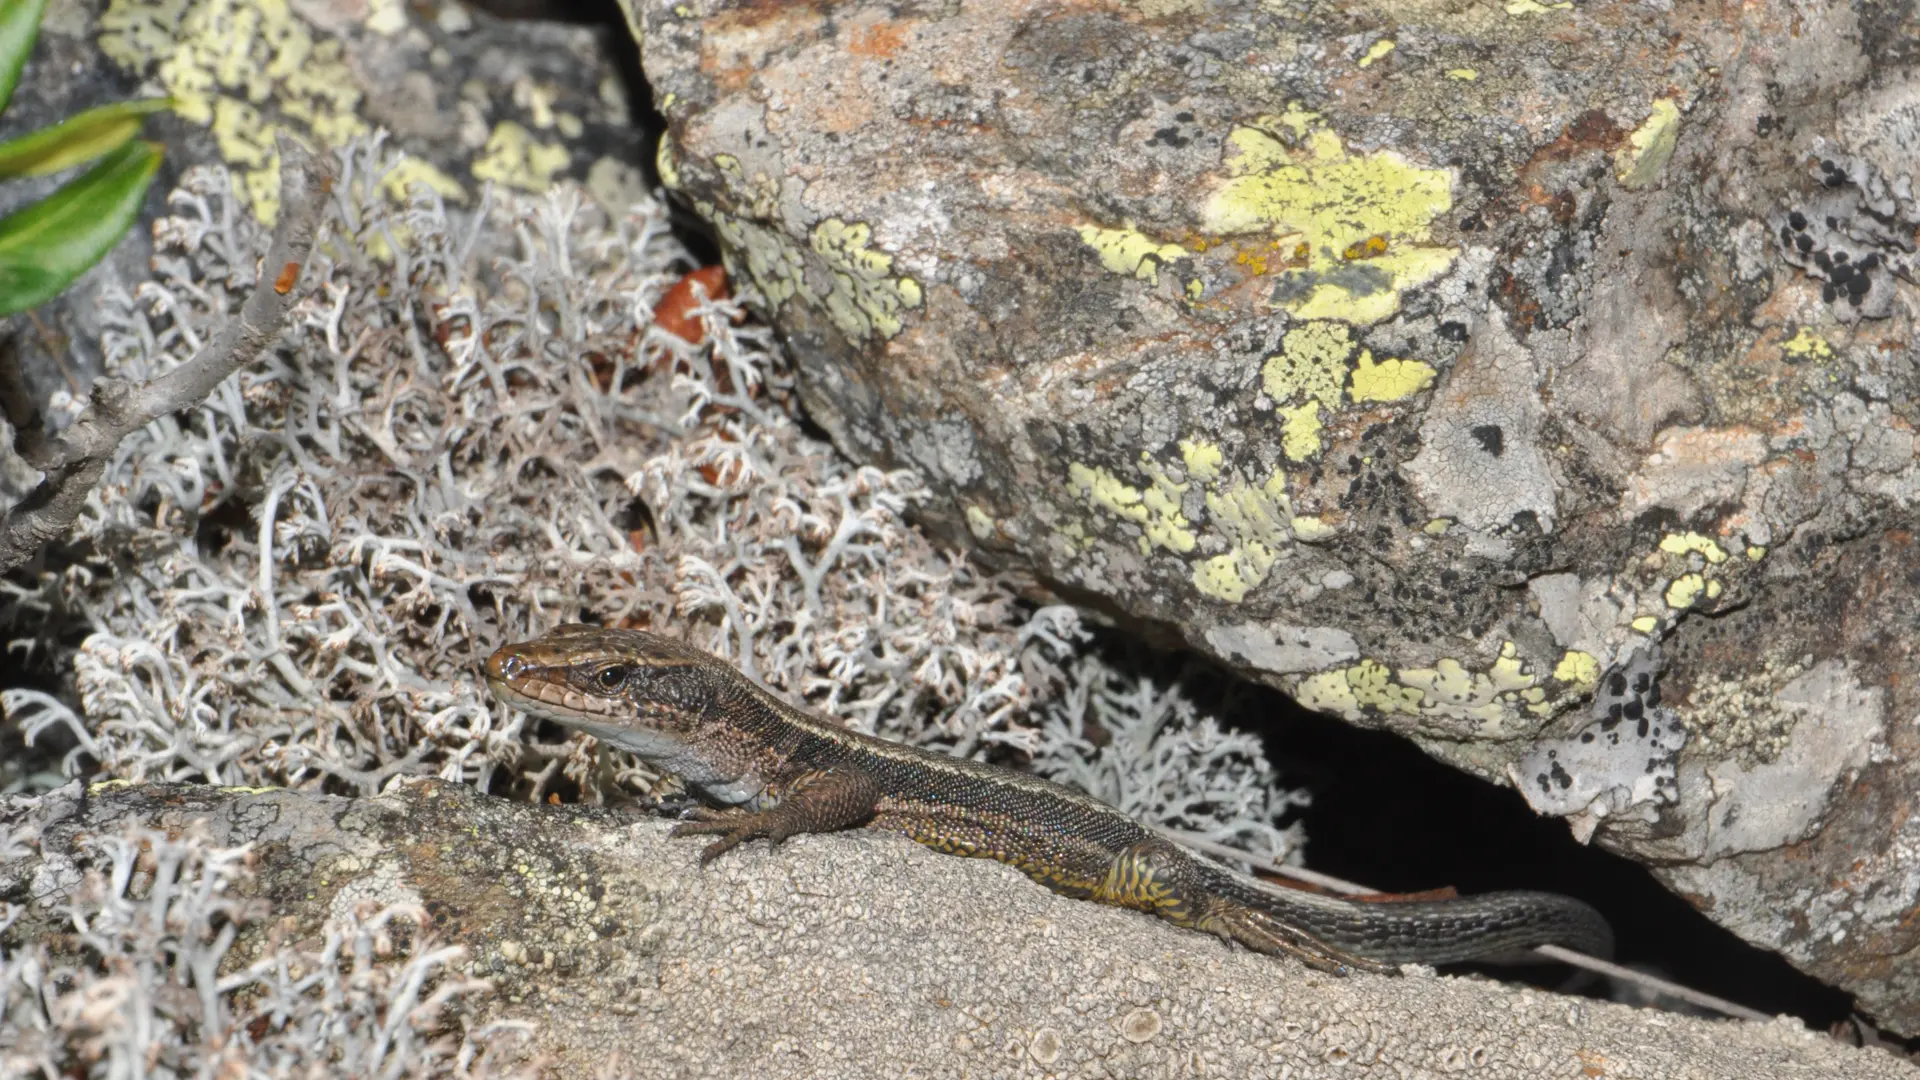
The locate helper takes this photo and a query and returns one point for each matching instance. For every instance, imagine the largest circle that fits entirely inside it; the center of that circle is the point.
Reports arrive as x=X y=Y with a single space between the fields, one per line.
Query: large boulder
x=1535 y=380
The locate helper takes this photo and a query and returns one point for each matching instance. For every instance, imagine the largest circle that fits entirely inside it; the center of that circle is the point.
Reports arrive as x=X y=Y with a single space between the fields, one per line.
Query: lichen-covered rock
x=1429 y=361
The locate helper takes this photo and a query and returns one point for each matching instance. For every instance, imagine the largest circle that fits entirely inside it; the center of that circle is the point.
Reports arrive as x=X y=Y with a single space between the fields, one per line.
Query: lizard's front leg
x=1153 y=875
x=824 y=801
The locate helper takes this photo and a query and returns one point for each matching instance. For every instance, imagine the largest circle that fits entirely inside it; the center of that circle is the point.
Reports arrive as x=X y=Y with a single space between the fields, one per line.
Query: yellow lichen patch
x=1309 y=529
x=1645 y=624
x=513 y=157
x=386 y=17
x=1578 y=669
x=1390 y=379
x=669 y=170
x=1131 y=253
x=1714 y=590
x=1448 y=689
x=225 y=61
x=1463 y=74
x=866 y=299
x=1644 y=156
x=1107 y=491
x=1375 y=51
x=1309 y=371
x=1684 y=543
x=1807 y=345
x=1437 y=527
x=1202 y=459
x=1535 y=7
x=1755 y=553
x=1166 y=525
x=979 y=523
x=1255 y=521
x=1685 y=590
x=1351 y=691
x=1292 y=176
x=1156 y=509
x=1300 y=430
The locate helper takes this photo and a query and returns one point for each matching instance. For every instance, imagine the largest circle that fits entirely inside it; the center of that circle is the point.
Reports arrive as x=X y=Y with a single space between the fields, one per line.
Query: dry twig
x=74 y=460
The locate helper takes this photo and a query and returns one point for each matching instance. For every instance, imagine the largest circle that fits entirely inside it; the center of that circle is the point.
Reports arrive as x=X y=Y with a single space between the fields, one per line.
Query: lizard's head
x=595 y=678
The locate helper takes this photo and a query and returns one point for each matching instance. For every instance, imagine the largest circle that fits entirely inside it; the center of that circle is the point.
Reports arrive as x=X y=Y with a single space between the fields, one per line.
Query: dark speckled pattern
x=789 y=771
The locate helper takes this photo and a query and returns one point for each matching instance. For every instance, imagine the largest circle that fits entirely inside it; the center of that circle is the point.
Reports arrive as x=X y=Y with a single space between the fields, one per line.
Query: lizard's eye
x=611 y=678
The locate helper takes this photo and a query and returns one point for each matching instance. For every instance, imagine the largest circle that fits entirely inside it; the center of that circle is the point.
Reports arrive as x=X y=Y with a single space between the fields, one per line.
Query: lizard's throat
x=670 y=750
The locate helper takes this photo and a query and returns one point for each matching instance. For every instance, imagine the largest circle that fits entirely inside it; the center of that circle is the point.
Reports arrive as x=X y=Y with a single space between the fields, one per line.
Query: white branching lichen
x=142 y=985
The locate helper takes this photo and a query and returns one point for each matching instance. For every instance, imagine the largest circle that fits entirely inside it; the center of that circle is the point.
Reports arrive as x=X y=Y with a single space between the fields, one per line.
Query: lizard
x=765 y=768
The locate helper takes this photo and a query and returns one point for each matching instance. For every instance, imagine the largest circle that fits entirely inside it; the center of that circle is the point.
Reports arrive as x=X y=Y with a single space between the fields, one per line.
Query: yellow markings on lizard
x=1292 y=177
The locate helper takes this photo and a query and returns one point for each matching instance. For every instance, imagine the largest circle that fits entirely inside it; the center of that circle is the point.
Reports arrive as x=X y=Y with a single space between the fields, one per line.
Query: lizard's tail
x=1491 y=926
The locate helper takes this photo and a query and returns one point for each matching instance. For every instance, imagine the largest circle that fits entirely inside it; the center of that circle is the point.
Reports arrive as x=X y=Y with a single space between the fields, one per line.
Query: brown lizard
x=781 y=770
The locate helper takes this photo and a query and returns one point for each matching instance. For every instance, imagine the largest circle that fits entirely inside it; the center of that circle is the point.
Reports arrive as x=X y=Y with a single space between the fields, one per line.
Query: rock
x=853 y=954
x=1434 y=364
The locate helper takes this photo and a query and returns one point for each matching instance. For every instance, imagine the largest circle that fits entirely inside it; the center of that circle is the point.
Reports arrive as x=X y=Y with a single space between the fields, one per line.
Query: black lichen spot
x=1183 y=117
x=1798 y=220
x=1471 y=223
x=1617 y=684
x=1586 y=736
x=1869 y=261
x=1453 y=330
x=1827 y=292
x=1632 y=710
x=1858 y=286
x=1169 y=136
x=1804 y=243
x=1490 y=438
x=1560 y=776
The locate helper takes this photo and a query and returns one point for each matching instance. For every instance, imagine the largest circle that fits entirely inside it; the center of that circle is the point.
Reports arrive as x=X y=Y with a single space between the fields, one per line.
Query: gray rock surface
x=1434 y=362
x=864 y=955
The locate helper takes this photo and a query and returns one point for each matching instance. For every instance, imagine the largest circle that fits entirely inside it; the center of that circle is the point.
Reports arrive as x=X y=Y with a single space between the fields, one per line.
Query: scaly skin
x=782 y=770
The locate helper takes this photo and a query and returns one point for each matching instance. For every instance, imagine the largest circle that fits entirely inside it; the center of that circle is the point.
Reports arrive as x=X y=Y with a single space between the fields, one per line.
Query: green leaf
x=77 y=139
x=19 y=26
x=45 y=246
